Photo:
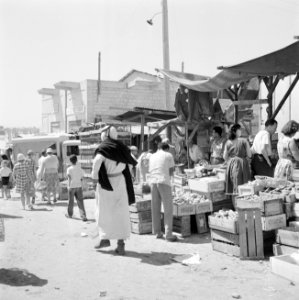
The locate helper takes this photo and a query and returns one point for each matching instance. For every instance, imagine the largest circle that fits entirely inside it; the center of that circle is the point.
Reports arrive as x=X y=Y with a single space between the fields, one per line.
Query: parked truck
x=63 y=145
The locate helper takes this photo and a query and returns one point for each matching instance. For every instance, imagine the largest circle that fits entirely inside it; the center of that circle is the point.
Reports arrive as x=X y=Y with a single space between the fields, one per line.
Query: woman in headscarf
x=236 y=154
x=23 y=180
x=114 y=191
x=288 y=151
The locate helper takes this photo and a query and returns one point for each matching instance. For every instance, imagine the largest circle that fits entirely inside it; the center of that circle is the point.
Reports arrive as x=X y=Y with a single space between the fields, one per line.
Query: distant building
x=70 y=105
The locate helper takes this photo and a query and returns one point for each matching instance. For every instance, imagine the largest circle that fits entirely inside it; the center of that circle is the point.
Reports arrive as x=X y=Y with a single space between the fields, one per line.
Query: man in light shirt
x=261 y=163
x=161 y=165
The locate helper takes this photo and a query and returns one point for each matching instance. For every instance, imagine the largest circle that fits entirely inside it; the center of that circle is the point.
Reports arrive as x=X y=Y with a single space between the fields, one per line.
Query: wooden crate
x=180 y=180
x=183 y=210
x=230 y=249
x=295 y=209
x=251 y=234
x=206 y=184
x=201 y=223
x=288 y=236
x=225 y=237
x=279 y=249
x=141 y=217
x=285 y=266
x=268 y=207
x=142 y=205
x=273 y=222
x=224 y=204
x=182 y=225
x=141 y=228
x=213 y=196
x=203 y=207
x=287 y=209
x=223 y=224
x=249 y=189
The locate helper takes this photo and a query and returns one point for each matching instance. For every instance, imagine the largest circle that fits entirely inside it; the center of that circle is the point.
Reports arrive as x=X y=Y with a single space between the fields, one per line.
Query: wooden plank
x=229 y=249
x=249 y=102
x=259 y=237
x=250 y=234
x=226 y=237
x=288 y=236
x=279 y=249
x=242 y=234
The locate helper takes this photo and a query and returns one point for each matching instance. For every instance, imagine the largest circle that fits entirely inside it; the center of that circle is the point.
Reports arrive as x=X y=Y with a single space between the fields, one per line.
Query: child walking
x=75 y=177
x=5 y=173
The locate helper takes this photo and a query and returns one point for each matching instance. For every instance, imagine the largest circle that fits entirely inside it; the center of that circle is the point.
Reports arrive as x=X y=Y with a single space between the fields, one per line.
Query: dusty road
x=44 y=256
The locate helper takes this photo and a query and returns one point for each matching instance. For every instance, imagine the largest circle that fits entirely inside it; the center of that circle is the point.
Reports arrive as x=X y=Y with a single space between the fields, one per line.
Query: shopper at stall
x=48 y=171
x=143 y=165
x=236 y=154
x=114 y=190
x=262 y=163
x=23 y=179
x=288 y=151
x=217 y=146
x=31 y=164
x=161 y=166
x=134 y=153
x=194 y=152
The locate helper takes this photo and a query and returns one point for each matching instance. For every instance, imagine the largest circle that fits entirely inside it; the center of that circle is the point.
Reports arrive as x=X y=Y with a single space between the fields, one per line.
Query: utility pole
x=166 y=64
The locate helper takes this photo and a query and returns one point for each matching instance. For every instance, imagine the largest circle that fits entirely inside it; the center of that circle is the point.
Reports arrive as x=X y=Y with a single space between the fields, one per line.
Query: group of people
x=245 y=162
x=24 y=175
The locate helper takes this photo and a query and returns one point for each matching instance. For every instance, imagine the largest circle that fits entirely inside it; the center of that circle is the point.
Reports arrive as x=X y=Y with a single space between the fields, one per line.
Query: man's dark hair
x=164 y=146
x=218 y=130
x=270 y=122
x=73 y=159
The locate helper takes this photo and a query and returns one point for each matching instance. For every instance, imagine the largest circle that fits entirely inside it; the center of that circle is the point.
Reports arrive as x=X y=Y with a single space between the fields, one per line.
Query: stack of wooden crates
x=141 y=216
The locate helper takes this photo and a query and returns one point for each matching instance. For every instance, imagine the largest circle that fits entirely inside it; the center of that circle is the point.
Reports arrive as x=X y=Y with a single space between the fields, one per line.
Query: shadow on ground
x=196 y=239
x=4 y=216
x=20 y=277
x=152 y=258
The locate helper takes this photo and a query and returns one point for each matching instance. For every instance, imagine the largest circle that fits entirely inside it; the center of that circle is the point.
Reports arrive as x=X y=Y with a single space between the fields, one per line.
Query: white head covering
x=20 y=157
x=50 y=150
x=110 y=132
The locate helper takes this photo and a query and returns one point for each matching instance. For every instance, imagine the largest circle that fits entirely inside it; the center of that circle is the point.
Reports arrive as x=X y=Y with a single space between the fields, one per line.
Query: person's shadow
x=20 y=277
x=152 y=258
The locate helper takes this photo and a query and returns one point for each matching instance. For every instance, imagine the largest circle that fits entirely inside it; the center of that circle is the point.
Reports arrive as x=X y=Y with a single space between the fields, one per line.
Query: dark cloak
x=118 y=152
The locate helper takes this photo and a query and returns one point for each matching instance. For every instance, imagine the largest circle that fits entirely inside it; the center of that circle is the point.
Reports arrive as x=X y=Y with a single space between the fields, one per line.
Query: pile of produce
x=228 y=214
x=188 y=198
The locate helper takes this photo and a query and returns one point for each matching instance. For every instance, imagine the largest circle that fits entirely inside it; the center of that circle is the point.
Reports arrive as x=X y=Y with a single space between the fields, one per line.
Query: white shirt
x=5 y=172
x=159 y=165
x=75 y=174
x=262 y=138
x=195 y=153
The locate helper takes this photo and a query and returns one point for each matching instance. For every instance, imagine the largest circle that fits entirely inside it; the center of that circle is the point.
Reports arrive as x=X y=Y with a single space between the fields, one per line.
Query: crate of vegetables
x=224 y=220
x=269 y=204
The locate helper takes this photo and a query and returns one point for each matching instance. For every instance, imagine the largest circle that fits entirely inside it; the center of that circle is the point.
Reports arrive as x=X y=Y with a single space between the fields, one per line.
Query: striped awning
x=283 y=62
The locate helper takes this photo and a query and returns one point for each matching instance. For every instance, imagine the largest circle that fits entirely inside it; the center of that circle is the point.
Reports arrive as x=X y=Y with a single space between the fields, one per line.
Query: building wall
x=116 y=97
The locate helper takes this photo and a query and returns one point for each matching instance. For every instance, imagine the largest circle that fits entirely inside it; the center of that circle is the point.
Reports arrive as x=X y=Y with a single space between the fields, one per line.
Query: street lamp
x=165 y=41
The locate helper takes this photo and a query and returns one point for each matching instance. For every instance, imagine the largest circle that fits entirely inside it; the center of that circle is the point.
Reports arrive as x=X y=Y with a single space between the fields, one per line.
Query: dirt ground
x=47 y=256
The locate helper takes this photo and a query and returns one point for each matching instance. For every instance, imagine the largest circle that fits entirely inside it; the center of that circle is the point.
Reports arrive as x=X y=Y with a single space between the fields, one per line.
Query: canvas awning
x=283 y=62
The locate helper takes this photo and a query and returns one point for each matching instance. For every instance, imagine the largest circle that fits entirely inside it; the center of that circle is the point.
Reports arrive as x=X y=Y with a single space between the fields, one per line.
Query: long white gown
x=112 y=208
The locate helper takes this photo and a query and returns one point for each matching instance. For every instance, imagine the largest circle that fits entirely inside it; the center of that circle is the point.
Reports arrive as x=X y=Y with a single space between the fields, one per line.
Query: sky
x=43 y=42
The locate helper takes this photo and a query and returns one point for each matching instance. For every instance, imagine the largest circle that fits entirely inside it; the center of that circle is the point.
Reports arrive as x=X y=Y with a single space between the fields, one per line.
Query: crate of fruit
x=206 y=184
x=225 y=221
x=269 y=204
x=213 y=196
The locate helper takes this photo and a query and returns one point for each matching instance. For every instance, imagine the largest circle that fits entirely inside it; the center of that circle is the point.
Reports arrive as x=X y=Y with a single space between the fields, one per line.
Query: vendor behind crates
x=262 y=163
